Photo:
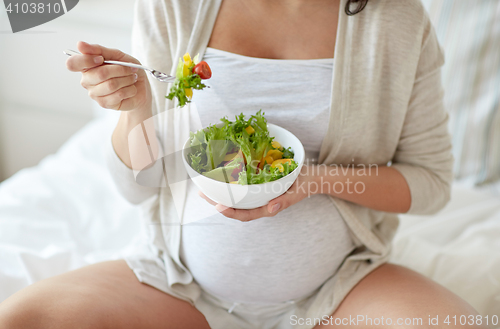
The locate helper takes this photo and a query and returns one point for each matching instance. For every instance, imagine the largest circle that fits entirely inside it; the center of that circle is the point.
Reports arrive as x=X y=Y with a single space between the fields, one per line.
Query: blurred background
x=41 y=103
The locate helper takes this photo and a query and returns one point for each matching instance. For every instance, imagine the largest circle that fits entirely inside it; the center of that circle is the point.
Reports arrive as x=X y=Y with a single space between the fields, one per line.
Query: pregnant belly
x=268 y=260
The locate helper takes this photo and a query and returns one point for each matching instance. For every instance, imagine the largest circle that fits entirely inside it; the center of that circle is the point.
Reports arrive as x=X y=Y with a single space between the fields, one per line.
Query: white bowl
x=249 y=196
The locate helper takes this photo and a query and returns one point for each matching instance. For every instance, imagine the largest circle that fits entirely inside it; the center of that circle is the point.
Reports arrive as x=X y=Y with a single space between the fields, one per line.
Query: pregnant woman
x=358 y=82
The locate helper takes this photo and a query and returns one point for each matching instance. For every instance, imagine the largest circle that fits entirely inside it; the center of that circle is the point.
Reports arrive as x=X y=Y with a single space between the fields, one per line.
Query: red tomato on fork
x=203 y=70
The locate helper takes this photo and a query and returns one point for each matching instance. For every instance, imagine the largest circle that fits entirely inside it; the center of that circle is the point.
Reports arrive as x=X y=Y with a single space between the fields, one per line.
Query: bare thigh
x=99 y=296
x=396 y=292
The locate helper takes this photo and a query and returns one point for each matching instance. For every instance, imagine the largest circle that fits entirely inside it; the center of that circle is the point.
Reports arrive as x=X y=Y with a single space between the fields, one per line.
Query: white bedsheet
x=66 y=213
x=459 y=247
x=63 y=213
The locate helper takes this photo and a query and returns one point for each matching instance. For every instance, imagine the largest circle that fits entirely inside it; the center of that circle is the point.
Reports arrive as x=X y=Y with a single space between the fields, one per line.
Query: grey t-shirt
x=290 y=255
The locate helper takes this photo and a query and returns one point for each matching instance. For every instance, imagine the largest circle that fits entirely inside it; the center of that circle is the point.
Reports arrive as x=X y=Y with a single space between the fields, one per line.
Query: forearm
x=134 y=139
x=380 y=188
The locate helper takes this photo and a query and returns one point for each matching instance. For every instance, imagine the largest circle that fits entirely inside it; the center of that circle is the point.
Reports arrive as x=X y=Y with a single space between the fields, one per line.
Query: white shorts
x=224 y=314
x=221 y=314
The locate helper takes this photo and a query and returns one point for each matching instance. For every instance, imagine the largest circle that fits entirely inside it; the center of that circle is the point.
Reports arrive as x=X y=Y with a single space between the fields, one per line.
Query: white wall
x=41 y=103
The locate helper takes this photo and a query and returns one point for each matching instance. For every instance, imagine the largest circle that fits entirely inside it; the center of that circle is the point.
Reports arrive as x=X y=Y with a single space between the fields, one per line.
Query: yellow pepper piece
x=189 y=93
x=234 y=182
x=186 y=71
x=264 y=161
x=268 y=160
x=275 y=154
x=276 y=145
x=280 y=162
x=187 y=60
x=250 y=130
x=280 y=167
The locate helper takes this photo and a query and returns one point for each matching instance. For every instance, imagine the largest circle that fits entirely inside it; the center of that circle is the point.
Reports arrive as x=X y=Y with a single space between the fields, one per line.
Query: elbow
x=446 y=196
x=430 y=190
x=135 y=188
x=440 y=199
x=438 y=196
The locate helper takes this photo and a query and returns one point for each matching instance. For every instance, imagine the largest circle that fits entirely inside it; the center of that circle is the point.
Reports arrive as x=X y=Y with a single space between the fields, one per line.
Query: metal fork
x=162 y=77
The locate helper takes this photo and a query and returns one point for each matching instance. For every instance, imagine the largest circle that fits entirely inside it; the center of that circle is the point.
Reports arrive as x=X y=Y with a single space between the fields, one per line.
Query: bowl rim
x=299 y=166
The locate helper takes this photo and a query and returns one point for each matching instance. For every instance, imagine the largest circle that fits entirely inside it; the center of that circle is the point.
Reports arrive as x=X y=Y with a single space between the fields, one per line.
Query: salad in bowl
x=243 y=163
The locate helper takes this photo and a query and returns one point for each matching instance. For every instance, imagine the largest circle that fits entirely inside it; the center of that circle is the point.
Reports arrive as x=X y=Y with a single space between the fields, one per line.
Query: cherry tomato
x=203 y=70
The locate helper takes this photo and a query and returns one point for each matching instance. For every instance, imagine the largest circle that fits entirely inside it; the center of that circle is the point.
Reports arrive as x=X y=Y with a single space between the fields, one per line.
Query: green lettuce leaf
x=210 y=147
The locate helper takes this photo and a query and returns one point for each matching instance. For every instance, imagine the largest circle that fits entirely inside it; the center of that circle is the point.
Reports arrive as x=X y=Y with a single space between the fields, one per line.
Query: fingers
x=118 y=99
x=276 y=205
x=94 y=55
x=102 y=73
x=243 y=215
x=107 y=53
x=200 y=193
x=110 y=86
x=239 y=214
x=271 y=209
x=81 y=63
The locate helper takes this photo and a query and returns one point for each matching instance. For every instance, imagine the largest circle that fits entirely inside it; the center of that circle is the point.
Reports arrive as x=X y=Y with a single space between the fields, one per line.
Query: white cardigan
x=386 y=106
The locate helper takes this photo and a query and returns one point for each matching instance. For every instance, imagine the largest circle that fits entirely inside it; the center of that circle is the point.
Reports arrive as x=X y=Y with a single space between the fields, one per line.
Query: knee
x=395 y=297
x=418 y=314
x=20 y=313
x=414 y=301
x=42 y=311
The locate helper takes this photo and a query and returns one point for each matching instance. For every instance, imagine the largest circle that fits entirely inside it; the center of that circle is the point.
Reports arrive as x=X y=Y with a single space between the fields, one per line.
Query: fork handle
x=128 y=64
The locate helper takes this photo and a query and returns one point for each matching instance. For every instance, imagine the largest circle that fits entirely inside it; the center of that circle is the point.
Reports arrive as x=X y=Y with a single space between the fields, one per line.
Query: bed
x=66 y=213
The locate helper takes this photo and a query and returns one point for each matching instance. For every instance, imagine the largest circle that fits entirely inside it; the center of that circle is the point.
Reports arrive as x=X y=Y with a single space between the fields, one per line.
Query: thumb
x=277 y=204
x=107 y=53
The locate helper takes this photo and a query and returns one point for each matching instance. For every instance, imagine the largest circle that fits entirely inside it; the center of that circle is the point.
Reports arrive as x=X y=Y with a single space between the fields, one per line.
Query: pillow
x=469 y=32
